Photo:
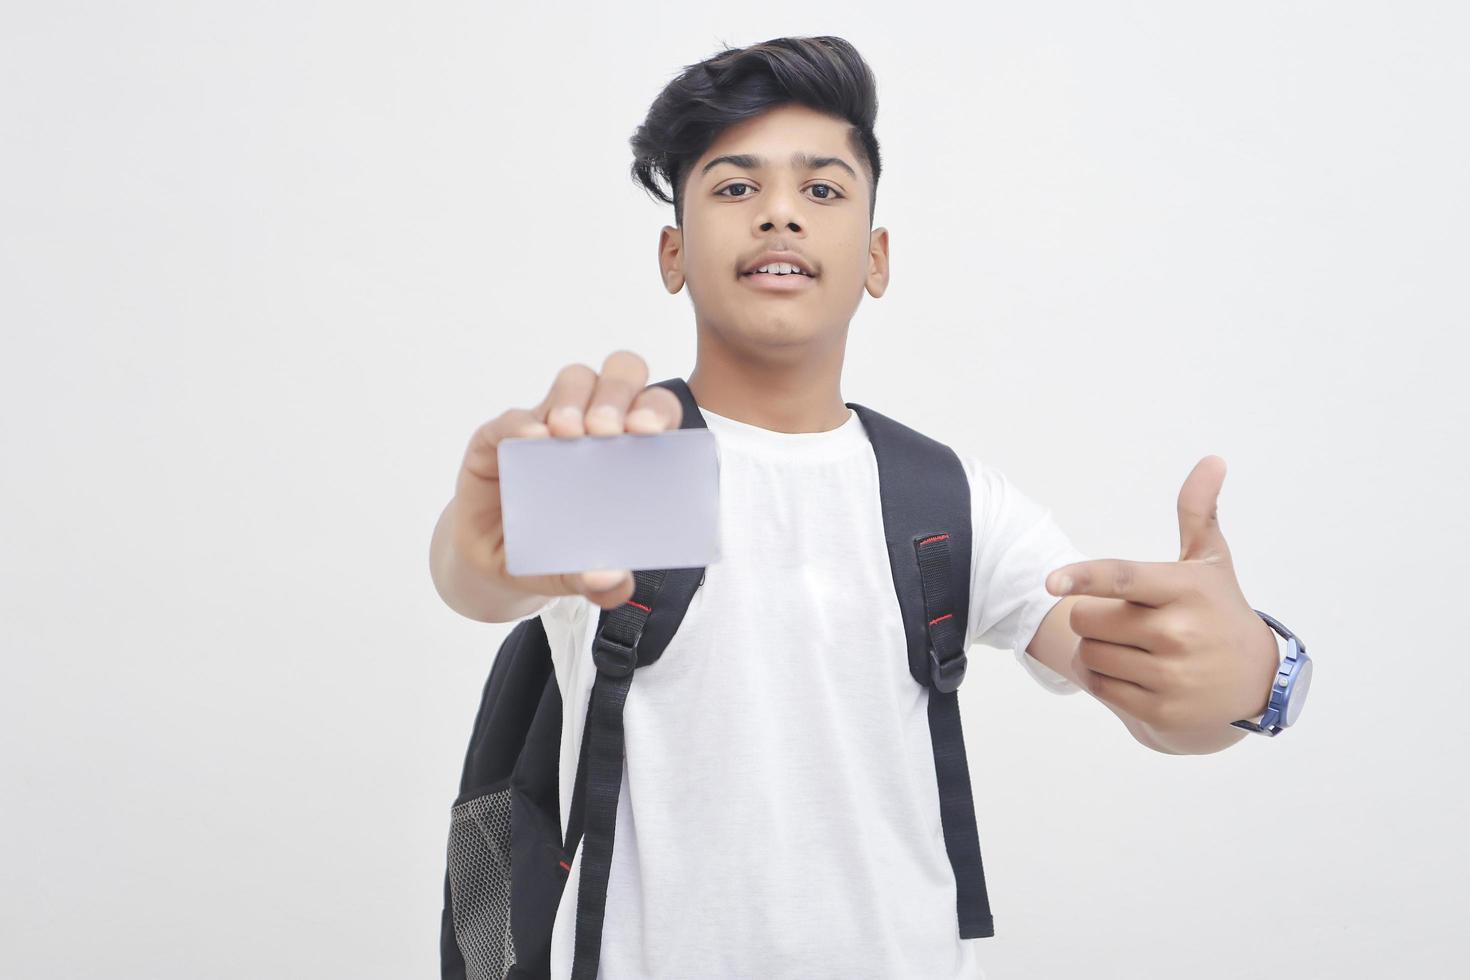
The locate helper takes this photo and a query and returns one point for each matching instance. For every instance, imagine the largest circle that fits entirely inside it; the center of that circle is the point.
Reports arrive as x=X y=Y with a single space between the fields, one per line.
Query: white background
x=264 y=267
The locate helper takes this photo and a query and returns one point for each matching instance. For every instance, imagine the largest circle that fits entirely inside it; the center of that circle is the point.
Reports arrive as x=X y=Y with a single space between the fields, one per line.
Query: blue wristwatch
x=1289 y=689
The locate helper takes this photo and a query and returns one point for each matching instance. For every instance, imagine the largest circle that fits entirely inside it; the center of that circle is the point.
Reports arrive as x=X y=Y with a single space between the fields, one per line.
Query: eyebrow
x=799 y=160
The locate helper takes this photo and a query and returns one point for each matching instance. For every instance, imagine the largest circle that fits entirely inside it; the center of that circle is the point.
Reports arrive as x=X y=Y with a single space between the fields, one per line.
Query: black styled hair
x=824 y=73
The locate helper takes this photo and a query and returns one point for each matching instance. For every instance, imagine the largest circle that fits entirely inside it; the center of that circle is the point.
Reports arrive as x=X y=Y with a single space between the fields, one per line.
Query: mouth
x=779 y=282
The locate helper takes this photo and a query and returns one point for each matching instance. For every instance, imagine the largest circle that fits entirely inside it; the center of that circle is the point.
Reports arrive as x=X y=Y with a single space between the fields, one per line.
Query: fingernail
x=1064 y=584
x=642 y=418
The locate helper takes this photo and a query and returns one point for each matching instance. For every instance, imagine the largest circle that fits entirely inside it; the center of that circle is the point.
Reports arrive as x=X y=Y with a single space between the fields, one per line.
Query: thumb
x=1200 y=537
x=606 y=587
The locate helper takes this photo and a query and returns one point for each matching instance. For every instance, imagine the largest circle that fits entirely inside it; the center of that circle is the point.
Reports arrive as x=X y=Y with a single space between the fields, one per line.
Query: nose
x=781 y=212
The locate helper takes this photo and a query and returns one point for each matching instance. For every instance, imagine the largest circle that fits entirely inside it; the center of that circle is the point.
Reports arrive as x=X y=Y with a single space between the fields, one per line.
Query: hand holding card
x=624 y=501
x=468 y=553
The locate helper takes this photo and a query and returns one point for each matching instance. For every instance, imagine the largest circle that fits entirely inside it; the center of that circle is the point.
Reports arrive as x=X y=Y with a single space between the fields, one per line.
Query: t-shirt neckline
x=844 y=439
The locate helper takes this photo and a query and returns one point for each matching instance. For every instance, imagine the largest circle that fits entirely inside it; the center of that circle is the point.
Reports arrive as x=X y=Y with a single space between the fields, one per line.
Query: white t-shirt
x=779 y=811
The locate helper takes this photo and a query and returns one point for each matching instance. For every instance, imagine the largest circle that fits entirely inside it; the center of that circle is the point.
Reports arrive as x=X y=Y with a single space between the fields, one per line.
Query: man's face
x=736 y=210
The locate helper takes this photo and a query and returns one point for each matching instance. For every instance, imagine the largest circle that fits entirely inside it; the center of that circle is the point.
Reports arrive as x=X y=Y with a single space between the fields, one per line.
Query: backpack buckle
x=947 y=674
x=613 y=658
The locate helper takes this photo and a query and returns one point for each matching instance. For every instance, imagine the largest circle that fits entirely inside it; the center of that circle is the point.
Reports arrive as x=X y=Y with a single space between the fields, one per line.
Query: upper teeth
x=781 y=269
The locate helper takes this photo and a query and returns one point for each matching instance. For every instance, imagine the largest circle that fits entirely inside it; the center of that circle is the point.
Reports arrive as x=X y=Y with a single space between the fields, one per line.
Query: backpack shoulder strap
x=926 y=522
x=633 y=635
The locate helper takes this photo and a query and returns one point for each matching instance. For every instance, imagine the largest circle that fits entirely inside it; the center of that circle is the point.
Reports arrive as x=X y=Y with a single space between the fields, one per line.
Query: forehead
x=776 y=132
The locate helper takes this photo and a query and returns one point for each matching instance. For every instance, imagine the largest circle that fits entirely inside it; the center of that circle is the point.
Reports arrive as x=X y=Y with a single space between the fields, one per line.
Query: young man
x=778 y=815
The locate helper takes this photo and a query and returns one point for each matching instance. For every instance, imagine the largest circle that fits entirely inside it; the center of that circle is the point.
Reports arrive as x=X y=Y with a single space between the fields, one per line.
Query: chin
x=775 y=329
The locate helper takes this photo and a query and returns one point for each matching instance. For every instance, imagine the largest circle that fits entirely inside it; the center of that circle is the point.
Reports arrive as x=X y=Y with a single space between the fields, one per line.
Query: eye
x=834 y=195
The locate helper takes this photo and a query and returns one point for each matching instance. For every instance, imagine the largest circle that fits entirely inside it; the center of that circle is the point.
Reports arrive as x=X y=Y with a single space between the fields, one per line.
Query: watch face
x=1300 y=682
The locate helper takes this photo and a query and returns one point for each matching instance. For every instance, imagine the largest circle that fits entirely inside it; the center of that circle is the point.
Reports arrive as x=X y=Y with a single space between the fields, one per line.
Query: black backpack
x=508 y=858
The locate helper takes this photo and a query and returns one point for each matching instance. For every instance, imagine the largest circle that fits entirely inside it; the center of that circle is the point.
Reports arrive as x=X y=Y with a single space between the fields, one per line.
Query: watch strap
x=1283 y=650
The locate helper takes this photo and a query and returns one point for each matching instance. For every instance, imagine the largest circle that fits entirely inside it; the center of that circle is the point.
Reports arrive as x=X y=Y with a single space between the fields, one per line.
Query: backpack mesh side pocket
x=479 y=880
x=505 y=869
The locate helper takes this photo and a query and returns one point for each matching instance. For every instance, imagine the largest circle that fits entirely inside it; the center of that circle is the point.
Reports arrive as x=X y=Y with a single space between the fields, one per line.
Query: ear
x=877 y=282
x=671 y=258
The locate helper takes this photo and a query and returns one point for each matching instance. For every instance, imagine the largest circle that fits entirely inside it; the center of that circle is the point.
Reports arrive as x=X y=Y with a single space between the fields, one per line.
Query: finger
x=656 y=409
x=565 y=404
x=1124 y=696
x=1148 y=583
x=1128 y=698
x=606 y=588
x=475 y=506
x=480 y=463
x=624 y=376
x=1117 y=621
x=1199 y=512
x=1124 y=663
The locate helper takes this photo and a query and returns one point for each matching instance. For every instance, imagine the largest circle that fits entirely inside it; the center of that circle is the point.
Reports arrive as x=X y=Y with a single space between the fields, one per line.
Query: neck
x=799 y=395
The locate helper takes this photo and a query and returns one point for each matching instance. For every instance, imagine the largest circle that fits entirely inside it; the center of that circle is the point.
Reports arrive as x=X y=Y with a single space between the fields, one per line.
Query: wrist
x=1281 y=648
x=1288 y=690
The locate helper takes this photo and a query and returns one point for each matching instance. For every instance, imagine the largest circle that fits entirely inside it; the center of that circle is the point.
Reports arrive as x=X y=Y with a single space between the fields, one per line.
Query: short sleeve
x=1016 y=543
x=564 y=619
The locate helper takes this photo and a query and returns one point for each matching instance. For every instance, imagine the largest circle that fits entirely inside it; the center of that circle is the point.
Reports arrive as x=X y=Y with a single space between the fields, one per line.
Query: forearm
x=468 y=591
